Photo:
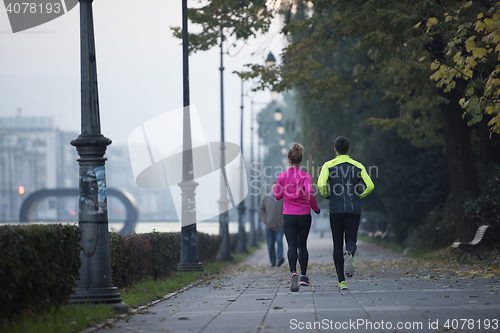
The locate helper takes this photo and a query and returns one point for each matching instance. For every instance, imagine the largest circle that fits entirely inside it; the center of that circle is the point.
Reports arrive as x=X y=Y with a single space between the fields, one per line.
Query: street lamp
x=281 y=130
x=241 y=248
x=278 y=115
x=270 y=61
x=271 y=65
x=224 y=253
x=94 y=284
x=255 y=236
x=189 y=236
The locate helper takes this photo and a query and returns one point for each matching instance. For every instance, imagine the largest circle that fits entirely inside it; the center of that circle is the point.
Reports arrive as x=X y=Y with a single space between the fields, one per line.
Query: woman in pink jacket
x=294 y=185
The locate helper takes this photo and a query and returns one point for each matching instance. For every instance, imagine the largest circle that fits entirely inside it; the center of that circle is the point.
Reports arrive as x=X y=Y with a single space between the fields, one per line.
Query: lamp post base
x=227 y=258
x=108 y=296
x=242 y=237
x=224 y=253
x=188 y=267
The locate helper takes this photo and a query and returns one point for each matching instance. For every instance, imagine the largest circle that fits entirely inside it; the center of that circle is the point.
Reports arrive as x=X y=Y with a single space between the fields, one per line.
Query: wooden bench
x=472 y=247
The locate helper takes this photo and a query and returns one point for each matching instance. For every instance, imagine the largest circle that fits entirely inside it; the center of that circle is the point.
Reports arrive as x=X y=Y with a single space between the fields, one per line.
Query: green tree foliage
x=232 y=18
x=405 y=190
x=401 y=39
x=473 y=55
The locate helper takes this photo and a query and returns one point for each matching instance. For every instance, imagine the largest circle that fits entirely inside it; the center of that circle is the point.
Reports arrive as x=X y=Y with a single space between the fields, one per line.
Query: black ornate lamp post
x=95 y=284
x=251 y=218
x=270 y=65
x=189 y=235
x=241 y=247
x=224 y=253
x=258 y=236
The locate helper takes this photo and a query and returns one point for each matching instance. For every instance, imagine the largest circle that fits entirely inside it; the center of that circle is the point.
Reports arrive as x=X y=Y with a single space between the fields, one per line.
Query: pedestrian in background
x=294 y=185
x=271 y=213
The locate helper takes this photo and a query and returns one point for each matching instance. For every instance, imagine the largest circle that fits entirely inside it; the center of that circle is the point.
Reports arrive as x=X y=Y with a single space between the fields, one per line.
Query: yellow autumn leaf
x=432 y=21
x=480 y=15
x=495 y=121
x=469 y=44
x=416 y=26
x=468 y=4
x=422 y=59
x=489 y=24
x=479 y=25
x=479 y=52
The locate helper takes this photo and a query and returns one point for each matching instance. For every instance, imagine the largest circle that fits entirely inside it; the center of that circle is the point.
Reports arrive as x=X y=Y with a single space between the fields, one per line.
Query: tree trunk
x=459 y=155
x=460 y=158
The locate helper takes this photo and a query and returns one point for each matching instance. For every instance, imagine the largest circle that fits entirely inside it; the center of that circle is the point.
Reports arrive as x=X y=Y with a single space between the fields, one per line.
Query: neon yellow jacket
x=341 y=181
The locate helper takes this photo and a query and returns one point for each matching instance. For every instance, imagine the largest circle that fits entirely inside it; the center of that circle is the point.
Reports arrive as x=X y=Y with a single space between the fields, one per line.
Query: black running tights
x=296 y=229
x=340 y=224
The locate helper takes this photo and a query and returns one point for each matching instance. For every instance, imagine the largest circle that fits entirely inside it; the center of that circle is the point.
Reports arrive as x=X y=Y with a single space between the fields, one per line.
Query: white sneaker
x=348 y=264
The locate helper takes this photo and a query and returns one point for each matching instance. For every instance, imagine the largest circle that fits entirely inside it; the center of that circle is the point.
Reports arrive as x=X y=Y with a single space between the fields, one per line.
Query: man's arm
x=368 y=181
x=322 y=180
x=262 y=210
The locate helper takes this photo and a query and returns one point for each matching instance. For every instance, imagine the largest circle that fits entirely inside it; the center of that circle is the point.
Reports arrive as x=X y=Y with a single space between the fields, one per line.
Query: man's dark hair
x=342 y=145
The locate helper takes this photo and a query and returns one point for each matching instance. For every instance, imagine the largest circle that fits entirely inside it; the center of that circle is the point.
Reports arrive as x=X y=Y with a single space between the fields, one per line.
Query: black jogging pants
x=341 y=224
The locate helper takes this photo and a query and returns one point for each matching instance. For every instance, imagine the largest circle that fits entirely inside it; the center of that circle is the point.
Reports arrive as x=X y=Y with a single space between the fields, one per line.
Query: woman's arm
x=278 y=190
x=310 y=194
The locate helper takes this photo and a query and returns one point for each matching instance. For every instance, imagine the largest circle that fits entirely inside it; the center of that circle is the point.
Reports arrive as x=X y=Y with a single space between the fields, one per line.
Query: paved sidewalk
x=383 y=296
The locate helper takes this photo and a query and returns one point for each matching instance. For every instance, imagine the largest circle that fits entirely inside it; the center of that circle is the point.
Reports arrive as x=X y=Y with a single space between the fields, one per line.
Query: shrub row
x=39 y=263
x=156 y=255
x=38 y=266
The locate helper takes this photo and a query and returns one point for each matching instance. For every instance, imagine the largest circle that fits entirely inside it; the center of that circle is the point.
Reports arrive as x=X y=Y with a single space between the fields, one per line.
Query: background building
x=34 y=155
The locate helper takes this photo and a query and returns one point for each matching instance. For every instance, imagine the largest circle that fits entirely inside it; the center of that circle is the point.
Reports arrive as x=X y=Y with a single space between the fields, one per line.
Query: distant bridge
x=29 y=205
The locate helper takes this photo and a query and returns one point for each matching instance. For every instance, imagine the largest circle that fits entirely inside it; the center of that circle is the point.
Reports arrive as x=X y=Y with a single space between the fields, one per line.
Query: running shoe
x=294 y=281
x=280 y=261
x=348 y=264
x=304 y=280
x=343 y=285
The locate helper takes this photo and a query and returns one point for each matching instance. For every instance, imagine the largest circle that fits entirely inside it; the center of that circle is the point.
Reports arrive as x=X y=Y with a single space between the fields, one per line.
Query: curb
x=109 y=322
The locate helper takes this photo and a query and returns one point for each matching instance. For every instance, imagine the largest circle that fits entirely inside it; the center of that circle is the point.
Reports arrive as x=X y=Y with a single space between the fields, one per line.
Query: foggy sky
x=139 y=67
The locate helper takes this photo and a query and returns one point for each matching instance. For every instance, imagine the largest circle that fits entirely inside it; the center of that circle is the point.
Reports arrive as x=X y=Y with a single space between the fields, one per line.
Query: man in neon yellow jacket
x=344 y=182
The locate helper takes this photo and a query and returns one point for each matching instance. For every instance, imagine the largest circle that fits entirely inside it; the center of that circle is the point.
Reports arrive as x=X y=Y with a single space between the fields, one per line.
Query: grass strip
x=148 y=290
x=65 y=319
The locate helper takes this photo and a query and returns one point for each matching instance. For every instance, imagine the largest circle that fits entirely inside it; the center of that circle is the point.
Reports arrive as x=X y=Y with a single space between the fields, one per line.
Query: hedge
x=39 y=263
x=38 y=266
x=156 y=255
